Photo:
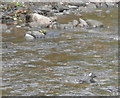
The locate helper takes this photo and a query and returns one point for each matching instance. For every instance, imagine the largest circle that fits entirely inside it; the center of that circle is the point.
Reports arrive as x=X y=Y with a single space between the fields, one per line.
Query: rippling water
x=53 y=66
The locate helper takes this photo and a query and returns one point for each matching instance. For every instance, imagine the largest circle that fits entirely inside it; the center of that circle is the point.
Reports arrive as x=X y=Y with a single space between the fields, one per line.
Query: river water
x=53 y=66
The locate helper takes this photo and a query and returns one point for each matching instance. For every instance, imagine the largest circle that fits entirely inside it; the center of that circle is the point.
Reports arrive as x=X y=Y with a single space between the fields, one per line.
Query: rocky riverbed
x=76 y=55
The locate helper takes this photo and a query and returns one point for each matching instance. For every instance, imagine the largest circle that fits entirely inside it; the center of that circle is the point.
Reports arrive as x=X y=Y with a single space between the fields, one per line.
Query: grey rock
x=66 y=12
x=72 y=7
x=69 y=26
x=58 y=14
x=88 y=8
x=94 y=23
x=111 y=4
x=88 y=78
x=35 y=34
x=62 y=26
x=83 y=23
x=32 y=35
x=75 y=23
x=65 y=26
x=81 y=3
x=60 y=7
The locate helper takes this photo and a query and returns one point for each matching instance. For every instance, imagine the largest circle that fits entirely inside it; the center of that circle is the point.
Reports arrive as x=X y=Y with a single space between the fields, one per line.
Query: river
x=52 y=66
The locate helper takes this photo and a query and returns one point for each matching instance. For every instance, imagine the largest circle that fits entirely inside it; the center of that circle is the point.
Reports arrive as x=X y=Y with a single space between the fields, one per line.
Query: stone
x=94 y=23
x=31 y=35
x=42 y=20
x=88 y=8
x=60 y=7
x=72 y=7
x=83 y=23
x=75 y=23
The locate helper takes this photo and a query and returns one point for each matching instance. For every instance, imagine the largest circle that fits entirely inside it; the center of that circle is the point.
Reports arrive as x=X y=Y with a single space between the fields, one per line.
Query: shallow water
x=53 y=66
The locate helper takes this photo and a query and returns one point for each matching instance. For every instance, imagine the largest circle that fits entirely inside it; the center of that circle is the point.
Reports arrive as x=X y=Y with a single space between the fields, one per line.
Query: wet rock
x=90 y=7
x=81 y=3
x=111 y=4
x=53 y=19
x=62 y=26
x=31 y=35
x=72 y=7
x=108 y=11
x=94 y=23
x=83 y=23
x=100 y=5
x=44 y=9
x=75 y=23
x=66 y=26
x=60 y=7
x=66 y=12
x=58 y=14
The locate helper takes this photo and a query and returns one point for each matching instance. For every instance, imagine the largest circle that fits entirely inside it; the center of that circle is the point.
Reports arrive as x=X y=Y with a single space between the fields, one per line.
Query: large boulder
x=42 y=20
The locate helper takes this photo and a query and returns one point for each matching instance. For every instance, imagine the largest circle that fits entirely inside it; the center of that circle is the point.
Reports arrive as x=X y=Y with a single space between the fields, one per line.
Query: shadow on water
x=54 y=66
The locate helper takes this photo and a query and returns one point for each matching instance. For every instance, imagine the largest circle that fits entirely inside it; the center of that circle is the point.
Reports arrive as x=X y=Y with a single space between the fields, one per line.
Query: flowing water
x=52 y=66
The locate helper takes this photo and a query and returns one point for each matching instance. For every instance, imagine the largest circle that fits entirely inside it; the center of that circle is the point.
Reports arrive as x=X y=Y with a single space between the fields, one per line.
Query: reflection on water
x=53 y=66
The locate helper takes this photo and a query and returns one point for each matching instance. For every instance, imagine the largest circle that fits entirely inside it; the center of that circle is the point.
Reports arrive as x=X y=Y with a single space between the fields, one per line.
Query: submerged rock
x=94 y=23
x=32 y=35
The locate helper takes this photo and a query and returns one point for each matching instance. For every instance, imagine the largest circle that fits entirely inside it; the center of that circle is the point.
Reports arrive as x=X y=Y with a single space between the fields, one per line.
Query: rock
x=44 y=9
x=60 y=7
x=75 y=23
x=58 y=14
x=81 y=3
x=88 y=8
x=66 y=12
x=94 y=23
x=42 y=20
x=31 y=35
x=66 y=26
x=101 y=5
x=72 y=7
x=110 y=4
x=53 y=19
x=83 y=23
